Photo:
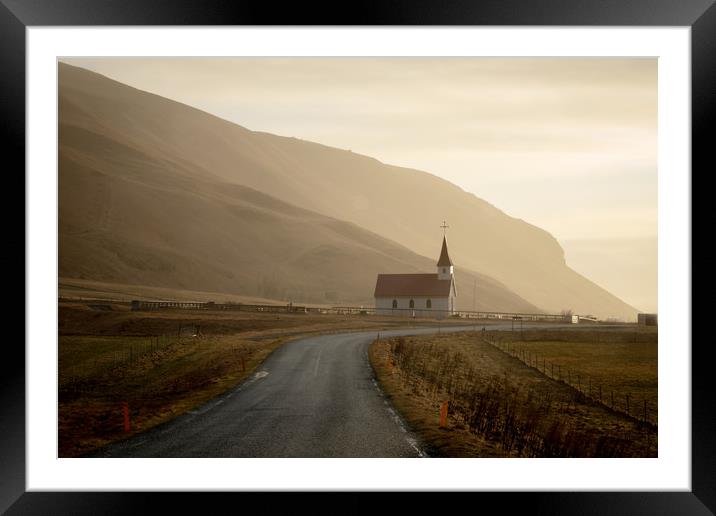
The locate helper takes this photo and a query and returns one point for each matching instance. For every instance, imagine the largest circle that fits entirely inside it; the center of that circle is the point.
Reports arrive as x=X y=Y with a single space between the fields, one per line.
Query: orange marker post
x=125 y=413
x=444 y=414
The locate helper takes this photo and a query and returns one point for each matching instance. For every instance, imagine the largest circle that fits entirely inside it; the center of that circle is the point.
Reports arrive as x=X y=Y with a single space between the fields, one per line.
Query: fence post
x=627 y=401
x=644 y=411
x=125 y=413
x=444 y=414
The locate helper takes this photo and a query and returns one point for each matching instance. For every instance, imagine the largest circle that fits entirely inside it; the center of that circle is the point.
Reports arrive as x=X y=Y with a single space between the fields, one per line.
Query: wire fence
x=138 y=349
x=640 y=409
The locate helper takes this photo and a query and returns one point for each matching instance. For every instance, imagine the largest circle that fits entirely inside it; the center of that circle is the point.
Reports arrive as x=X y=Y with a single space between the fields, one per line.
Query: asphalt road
x=314 y=397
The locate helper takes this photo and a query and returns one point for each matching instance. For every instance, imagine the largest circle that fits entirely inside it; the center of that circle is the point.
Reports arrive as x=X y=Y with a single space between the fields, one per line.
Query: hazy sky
x=566 y=144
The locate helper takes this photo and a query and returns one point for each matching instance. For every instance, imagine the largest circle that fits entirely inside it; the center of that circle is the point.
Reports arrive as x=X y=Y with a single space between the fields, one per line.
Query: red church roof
x=395 y=285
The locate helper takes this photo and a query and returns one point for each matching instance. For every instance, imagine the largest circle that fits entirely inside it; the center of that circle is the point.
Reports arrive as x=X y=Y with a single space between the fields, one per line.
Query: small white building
x=647 y=319
x=418 y=295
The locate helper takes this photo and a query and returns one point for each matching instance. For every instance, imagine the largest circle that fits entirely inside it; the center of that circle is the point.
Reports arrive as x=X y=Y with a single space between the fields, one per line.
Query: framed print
x=145 y=324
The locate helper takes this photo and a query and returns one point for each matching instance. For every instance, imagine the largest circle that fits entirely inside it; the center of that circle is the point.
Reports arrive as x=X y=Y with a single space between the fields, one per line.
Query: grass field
x=617 y=368
x=500 y=406
x=72 y=288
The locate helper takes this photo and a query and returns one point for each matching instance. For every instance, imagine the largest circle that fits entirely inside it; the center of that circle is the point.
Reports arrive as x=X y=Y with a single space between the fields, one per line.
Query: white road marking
x=260 y=374
x=318 y=361
x=412 y=442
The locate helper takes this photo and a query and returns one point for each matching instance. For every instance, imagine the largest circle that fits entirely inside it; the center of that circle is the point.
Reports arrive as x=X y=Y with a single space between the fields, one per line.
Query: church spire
x=444 y=260
x=445 y=268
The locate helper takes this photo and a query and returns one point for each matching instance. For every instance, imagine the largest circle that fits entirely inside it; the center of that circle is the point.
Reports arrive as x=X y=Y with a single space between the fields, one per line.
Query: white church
x=418 y=295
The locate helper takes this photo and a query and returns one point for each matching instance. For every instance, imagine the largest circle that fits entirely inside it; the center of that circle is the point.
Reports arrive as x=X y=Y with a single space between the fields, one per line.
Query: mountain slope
x=401 y=205
x=128 y=217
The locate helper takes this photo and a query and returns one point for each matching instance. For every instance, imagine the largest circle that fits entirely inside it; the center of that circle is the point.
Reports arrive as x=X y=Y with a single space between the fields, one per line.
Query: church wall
x=440 y=306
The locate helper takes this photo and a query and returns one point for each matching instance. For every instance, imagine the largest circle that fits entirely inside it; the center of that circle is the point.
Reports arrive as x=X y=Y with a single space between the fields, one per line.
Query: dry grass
x=78 y=318
x=512 y=410
x=158 y=380
x=78 y=289
x=421 y=411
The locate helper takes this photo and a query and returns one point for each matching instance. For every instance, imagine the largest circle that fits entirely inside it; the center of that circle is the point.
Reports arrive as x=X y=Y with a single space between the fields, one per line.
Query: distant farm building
x=418 y=295
x=646 y=319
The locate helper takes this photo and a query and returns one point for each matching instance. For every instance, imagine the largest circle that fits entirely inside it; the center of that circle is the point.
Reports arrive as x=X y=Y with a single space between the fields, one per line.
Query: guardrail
x=461 y=314
x=183 y=305
x=346 y=310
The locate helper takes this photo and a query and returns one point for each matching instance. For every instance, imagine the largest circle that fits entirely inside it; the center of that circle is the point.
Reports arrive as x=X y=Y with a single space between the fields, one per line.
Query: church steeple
x=444 y=259
x=445 y=267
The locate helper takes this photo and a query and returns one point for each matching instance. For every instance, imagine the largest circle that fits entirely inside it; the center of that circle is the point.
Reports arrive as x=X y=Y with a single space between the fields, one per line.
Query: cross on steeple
x=444 y=226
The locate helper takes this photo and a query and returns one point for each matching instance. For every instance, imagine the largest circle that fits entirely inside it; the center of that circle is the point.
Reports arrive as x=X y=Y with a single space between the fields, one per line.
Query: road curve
x=313 y=397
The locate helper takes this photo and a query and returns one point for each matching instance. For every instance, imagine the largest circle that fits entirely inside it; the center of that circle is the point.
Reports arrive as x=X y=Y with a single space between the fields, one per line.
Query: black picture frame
x=700 y=15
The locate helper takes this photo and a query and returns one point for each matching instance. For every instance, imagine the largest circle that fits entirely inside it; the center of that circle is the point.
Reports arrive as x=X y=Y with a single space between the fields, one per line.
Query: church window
x=428 y=304
x=395 y=303
x=412 y=303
